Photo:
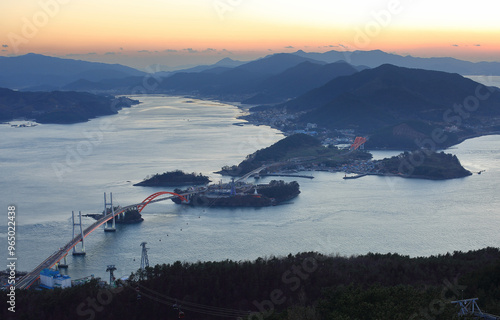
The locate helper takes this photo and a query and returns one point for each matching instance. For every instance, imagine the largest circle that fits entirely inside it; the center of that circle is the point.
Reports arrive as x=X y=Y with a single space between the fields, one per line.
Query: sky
x=190 y=32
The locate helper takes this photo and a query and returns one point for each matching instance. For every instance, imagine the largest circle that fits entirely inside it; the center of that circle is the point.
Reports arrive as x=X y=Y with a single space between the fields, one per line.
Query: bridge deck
x=30 y=278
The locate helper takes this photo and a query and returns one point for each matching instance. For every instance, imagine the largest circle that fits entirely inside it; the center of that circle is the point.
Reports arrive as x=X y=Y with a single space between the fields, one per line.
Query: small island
x=239 y=194
x=130 y=216
x=423 y=164
x=174 y=178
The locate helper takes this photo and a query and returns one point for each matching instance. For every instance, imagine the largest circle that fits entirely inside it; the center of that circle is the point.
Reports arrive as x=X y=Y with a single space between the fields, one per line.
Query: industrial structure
x=469 y=307
x=51 y=279
x=144 y=256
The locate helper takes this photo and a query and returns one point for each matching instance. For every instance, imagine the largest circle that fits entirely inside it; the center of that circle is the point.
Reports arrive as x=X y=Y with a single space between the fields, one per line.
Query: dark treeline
x=302 y=286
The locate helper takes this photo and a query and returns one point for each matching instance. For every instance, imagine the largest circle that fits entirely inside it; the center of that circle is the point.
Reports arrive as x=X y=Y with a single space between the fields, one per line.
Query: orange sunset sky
x=175 y=33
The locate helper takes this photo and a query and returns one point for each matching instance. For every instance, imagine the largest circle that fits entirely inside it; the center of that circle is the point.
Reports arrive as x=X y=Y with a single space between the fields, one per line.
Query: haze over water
x=331 y=215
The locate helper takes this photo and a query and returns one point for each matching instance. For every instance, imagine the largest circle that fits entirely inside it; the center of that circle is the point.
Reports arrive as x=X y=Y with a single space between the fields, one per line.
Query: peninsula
x=301 y=152
x=60 y=107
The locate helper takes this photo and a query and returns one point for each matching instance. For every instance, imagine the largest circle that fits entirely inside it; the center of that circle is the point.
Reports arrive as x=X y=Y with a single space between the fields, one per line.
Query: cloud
x=170 y=50
x=73 y=55
x=3 y=50
x=109 y=53
x=4 y=46
x=289 y=47
x=190 y=50
x=209 y=50
x=455 y=45
x=477 y=45
x=144 y=51
x=92 y=53
x=226 y=51
x=121 y=49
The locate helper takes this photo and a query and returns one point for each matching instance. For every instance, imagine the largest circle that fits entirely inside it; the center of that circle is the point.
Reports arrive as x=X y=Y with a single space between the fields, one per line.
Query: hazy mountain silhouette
x=297 y=80
x=33 y=70
x=216 y=79
x=376 y=58
x=277 y=77
x=224 y=64
x=269 y=80
x=276 y=63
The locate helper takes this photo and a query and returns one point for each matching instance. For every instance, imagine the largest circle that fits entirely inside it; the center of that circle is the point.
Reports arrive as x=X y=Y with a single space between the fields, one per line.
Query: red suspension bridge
x=30 y=278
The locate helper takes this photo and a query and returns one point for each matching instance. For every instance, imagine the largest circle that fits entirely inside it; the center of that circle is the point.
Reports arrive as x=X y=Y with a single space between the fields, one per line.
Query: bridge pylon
x=111 y=211
x=82 y=250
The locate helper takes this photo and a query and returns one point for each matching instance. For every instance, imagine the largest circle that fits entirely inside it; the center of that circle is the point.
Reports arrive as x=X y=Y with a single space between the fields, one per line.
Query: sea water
x=48 y=171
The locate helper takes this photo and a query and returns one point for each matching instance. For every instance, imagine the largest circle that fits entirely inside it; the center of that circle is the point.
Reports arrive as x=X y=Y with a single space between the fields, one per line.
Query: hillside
x=57 y=106
x=299 y=286
x=298 y=80
x=398 y=90
x=387 y=96
x=295 y=145
x=296 y=150
x=35 y=70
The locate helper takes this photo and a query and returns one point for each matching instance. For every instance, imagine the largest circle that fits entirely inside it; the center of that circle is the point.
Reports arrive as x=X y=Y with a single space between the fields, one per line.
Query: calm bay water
x=49 y=170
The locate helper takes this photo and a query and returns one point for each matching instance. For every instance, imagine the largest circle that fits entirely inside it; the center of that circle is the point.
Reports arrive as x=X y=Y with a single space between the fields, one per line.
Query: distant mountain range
x=222 y=65
x=376 y=58
x=37 y=72
x=391 y=98
x=50 y=73
x=272 y=79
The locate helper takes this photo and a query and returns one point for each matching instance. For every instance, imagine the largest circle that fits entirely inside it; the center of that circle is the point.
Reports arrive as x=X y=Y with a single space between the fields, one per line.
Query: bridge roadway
x=30 y=278
x=259 y=169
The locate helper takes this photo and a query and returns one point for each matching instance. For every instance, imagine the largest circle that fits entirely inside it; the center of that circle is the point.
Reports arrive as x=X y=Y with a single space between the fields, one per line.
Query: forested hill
x=302 y=286
x=387 y=95
x=401 y=107
x=291 y=146
x=57 y=106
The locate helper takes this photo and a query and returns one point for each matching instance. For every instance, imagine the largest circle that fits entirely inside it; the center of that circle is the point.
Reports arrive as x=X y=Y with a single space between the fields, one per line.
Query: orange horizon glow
x=256 y=27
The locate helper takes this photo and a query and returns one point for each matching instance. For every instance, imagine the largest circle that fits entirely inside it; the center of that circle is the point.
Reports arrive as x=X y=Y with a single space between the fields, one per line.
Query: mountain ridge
x=375 y=58
x=32 y=69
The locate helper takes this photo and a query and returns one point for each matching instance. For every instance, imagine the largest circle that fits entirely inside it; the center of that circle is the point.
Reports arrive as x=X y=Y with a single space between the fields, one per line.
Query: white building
x=53 y=279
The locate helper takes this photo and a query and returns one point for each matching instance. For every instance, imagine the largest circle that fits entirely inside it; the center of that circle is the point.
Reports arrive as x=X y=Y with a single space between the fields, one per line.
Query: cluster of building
x=287 y=123
x=359 y=166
